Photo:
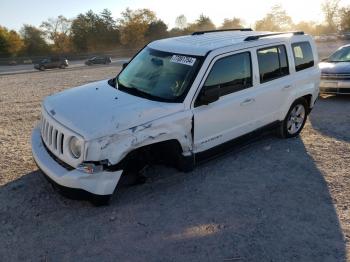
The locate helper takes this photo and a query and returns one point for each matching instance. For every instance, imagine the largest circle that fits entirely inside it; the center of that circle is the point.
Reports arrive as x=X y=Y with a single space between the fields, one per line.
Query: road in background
x=18 y=69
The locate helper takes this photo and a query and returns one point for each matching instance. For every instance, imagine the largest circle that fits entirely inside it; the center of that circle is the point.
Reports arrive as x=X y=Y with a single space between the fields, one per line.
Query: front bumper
x=101 y=183
x=335 y=86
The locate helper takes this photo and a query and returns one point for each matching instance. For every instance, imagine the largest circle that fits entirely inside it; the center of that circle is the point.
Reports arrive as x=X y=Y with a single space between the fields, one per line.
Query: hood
x=97 y=109
x=335 y=68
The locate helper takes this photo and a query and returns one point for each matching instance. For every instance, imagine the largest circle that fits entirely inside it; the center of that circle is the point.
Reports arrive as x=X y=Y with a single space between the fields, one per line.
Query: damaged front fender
x=115 y=147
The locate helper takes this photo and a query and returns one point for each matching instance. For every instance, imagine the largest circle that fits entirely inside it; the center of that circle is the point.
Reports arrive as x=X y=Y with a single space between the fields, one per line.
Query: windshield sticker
x=185 y=60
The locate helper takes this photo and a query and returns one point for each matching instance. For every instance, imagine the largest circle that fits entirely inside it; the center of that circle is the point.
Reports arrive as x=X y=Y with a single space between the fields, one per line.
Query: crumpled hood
x=335 y=68
x=96 y=110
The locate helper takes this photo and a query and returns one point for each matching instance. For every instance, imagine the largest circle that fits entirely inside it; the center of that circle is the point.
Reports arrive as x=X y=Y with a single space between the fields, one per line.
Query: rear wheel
x=295 y=119
x=62 y=66
x=42 y=68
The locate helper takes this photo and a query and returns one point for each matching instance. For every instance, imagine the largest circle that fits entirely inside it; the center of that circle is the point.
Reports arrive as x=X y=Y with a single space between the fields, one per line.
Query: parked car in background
x=49 y=63
x=335 y=72
x=99 y=60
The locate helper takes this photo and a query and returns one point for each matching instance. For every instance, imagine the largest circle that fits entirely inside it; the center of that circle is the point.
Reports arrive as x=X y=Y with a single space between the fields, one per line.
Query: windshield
x=342 y=55
x=159 y=75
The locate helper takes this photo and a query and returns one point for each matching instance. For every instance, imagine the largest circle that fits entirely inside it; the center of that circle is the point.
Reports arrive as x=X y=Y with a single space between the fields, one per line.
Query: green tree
x=108 y=31
x=94 y=32
x=4 y=44
x=330 y=10
x=34 y=41
x=276 y=20
x=133 y=26
x=344 y=14
x=231 y=23
x=203 y=23
x=181 y=22
x=308 y=27
x=10 y=43
x=156 y=30
x=58 y=30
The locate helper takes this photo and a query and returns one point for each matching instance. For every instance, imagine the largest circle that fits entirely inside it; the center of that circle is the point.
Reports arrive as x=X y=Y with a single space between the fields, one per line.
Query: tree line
x=96 y=32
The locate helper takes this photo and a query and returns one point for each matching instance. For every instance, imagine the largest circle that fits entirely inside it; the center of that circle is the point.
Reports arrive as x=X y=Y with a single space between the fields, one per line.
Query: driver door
x=235 y=112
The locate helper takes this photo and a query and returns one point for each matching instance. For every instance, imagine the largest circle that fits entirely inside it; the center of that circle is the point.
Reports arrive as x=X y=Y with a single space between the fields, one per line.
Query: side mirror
x=209 y=94
x=125 y=65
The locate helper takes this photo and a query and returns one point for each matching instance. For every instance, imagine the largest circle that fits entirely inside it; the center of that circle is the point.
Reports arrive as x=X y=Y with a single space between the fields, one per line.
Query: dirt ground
x=272 y=200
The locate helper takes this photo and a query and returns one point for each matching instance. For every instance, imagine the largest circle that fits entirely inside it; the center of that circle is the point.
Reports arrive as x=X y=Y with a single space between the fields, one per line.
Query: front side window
x=303 y=56
x=273 y=63
x=232 y=74
x=159 y=75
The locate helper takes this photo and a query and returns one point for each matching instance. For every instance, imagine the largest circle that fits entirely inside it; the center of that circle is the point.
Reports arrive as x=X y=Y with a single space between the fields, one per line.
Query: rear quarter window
x=303 y=56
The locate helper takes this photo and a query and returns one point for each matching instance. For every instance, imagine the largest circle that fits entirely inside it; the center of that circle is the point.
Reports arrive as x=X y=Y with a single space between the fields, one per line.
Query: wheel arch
x=168 y=152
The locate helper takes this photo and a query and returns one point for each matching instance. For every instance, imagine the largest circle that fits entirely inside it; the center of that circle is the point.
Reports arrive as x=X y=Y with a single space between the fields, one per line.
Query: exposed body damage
x=115 y=147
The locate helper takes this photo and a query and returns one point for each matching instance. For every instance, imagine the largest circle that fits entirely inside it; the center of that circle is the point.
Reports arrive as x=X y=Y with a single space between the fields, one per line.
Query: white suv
x=176 y=101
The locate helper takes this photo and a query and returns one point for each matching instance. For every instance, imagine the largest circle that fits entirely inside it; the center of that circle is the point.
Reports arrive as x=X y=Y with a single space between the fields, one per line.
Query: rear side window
x=232 y=73
x=273 y=63
x=303 y=56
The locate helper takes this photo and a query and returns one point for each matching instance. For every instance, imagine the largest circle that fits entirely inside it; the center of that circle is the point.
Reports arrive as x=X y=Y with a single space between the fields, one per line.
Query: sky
x=15 y=13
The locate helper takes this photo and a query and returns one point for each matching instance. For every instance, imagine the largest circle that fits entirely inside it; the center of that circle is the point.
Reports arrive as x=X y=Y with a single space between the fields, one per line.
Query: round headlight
x=75 y=147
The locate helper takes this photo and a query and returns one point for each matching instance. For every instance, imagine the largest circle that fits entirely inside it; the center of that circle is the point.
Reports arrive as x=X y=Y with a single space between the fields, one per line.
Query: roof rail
x=221 y=30
x=257 y=37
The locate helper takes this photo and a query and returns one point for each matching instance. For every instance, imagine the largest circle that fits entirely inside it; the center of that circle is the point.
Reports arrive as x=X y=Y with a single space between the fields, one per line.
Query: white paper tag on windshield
x=185 y=60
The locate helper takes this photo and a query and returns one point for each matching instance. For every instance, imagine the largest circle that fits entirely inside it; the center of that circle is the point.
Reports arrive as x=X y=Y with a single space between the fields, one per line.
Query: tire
x=101 y=200
x=134 y=169
x=42 y=68
x=62 y=66
x=295 y=119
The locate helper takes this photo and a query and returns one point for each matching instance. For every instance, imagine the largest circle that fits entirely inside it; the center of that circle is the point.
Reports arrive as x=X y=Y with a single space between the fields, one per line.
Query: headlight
x=75 y=146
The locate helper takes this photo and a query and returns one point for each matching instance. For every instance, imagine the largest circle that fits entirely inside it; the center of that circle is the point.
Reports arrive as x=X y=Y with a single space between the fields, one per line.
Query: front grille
x=52 y=137
x=336 y=76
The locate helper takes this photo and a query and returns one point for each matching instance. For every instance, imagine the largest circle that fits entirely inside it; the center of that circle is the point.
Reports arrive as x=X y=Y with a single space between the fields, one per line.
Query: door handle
x=247 y=101
x=287 y=86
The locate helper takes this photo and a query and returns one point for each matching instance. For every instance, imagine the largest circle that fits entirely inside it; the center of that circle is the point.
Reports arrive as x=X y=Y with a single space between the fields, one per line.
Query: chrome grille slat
x=335 y=76
x=59 y=138
x=46 y=131
x=50 y=135
x=55 y=139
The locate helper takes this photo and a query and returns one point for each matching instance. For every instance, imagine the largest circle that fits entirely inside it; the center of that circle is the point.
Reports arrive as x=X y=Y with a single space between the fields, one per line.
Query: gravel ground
x=272 y=200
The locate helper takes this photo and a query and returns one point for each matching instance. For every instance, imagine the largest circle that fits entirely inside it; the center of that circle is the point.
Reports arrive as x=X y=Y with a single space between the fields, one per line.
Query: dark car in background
x=49 y=63
x=99 y=60
x=335 y=72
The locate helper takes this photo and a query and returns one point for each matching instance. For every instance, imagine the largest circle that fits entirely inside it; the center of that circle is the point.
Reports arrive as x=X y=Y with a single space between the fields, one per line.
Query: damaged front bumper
x=99 y=183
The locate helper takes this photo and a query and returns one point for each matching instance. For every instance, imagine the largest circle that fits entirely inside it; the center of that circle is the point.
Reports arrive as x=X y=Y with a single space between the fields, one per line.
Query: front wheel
x=295 y=119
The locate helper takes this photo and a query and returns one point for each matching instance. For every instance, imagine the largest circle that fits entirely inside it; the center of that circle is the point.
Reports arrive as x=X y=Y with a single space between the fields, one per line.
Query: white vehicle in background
x=176 y=102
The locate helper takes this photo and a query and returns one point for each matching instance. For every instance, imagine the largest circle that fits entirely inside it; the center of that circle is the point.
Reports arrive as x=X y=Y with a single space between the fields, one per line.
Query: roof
x=201 y=44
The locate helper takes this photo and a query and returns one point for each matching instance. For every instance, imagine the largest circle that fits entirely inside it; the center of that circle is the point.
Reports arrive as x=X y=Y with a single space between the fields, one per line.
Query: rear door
x=275 y=82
